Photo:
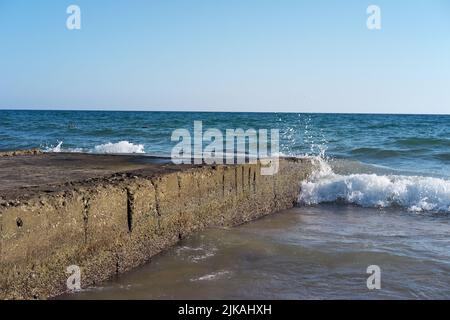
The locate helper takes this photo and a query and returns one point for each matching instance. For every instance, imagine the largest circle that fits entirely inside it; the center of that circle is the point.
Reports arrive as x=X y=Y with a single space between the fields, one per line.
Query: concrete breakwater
x=109 y=214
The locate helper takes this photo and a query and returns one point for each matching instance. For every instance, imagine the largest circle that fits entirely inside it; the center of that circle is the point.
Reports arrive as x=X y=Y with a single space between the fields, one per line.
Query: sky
x=226 y=55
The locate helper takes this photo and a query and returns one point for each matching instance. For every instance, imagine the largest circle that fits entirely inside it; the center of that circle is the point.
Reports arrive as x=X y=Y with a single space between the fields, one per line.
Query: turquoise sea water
x=419 y=143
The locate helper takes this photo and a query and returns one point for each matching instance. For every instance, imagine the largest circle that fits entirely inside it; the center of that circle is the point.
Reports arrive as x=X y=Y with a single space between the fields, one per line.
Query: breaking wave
x=415 y=193
x=121 y=147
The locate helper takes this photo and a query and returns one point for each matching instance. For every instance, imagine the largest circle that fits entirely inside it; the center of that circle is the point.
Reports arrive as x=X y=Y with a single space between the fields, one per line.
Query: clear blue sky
x=229 y=55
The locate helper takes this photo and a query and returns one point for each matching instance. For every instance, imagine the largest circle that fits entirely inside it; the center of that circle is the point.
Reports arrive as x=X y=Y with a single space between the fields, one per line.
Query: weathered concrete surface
x=108 y=214
x=20 y=152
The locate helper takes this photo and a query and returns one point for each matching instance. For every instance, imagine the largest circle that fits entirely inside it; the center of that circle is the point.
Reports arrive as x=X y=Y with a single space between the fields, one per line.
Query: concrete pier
x=108 y=214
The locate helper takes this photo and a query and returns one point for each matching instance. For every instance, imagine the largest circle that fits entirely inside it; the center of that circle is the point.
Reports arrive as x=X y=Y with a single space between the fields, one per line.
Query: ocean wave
x=420 y=141
x=380 y=153
x=443 y=156
x=414 y=193
x=121 y=147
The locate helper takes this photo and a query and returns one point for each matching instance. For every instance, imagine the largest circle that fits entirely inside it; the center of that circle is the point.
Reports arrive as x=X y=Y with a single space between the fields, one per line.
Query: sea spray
x=59 y=148
x=56 y=148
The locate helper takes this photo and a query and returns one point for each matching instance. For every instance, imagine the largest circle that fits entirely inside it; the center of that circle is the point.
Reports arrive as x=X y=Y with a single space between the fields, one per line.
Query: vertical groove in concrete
x=155 y=186
x=130 y=201
x=85 y=218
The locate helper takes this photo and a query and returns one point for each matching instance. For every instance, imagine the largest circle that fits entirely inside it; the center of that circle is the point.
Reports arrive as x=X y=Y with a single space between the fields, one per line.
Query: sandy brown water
x=304 y=253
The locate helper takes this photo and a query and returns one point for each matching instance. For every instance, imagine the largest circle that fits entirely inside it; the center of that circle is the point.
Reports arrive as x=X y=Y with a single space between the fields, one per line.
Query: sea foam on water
x=121 y=147
x=415 y=193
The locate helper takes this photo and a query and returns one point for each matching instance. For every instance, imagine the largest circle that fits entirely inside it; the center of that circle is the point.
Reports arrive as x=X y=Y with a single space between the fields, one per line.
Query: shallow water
x=319 y=252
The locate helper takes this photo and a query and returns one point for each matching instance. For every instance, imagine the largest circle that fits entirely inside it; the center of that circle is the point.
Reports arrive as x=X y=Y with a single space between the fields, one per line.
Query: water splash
x=415 y=193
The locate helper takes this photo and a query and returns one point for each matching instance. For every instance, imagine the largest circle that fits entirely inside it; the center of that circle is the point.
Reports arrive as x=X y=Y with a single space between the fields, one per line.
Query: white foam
x=56 y=148
x=119 y=147
x=212 y=276
x=59 y=148
x=197 y=254
x=107 y=148
x=415 y=193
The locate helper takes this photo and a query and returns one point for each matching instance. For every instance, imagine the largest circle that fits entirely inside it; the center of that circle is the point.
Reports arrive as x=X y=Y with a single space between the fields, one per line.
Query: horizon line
x=222 y=111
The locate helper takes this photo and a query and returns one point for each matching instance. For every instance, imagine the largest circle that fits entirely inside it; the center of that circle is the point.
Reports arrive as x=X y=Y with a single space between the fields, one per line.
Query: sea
x=379 y=199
